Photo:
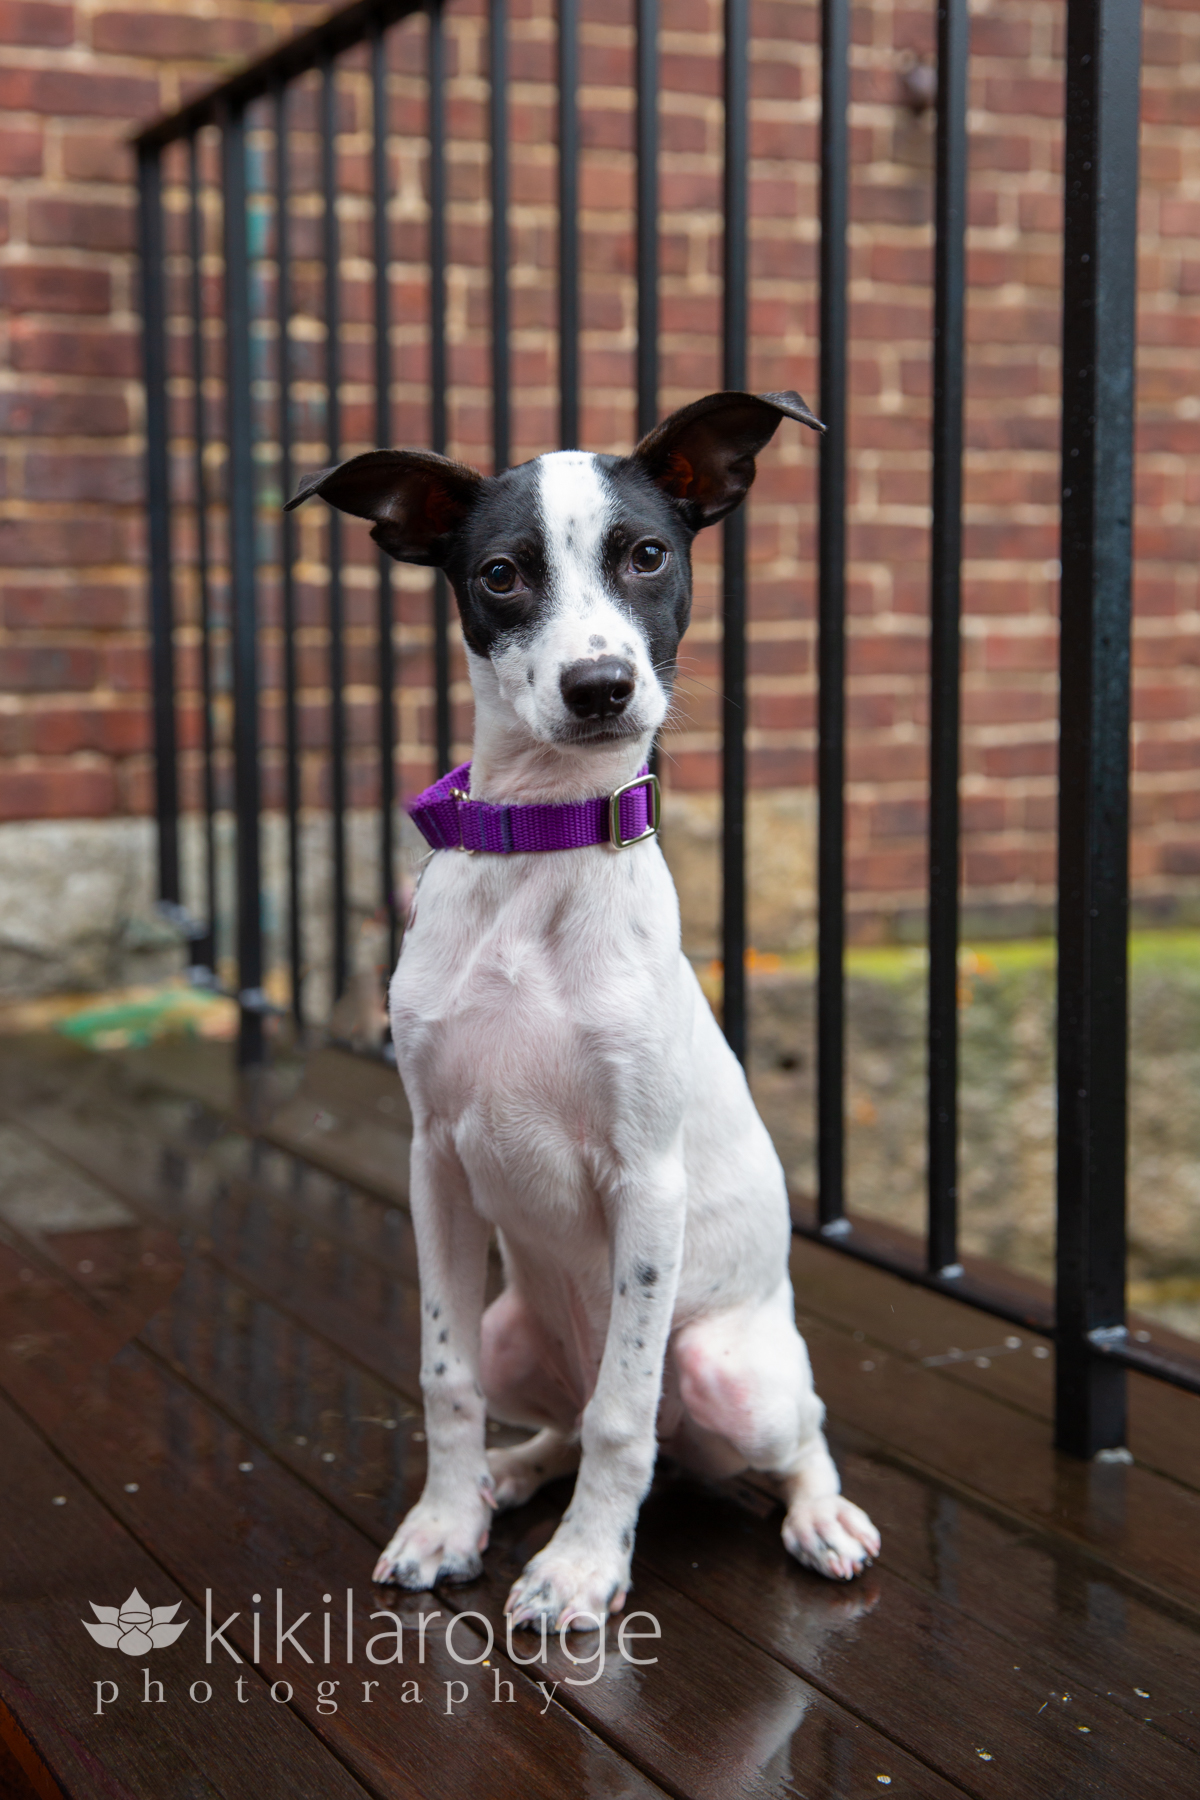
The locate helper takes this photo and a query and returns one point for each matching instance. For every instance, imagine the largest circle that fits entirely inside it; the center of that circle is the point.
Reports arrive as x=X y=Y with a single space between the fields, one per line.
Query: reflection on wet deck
x=208 y=1346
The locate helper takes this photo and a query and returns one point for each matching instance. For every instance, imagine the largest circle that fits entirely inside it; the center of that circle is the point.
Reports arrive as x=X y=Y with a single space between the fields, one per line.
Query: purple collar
x=451 y=820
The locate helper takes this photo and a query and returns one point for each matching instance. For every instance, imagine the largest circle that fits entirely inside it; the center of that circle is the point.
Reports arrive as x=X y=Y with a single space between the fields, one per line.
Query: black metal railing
x=249 y=567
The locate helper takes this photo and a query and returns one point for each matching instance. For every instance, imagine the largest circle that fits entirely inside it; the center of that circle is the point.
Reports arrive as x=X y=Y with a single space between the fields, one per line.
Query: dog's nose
x=598 y=688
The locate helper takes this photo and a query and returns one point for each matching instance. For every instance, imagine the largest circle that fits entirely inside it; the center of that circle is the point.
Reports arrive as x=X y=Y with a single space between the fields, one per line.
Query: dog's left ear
x=703 y=455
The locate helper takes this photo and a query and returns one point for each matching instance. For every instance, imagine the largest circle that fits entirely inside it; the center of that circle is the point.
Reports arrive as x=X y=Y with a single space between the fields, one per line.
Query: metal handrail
x=1101 y=115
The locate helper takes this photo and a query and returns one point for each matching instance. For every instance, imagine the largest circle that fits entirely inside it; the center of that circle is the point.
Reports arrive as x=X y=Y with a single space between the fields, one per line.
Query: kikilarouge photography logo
x=410 y=1654
x=133 y=1626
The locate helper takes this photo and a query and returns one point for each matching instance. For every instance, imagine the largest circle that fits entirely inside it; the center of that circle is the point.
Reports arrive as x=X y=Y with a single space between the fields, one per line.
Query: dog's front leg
x=584 y=1569
x=444 y=1534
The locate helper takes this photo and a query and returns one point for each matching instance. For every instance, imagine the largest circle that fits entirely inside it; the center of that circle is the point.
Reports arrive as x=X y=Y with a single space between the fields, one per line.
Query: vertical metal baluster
x=158 y=507
x=333 y=433
x=437 y=360
x=240 y=502
x=831 y=634
x=383 y=433
x=501 y=393
x=1099 y=337
x=203 y=948
x=733 y=610
x=944 y=636
x=568 y=224
x=287 y=554
x=647 y=216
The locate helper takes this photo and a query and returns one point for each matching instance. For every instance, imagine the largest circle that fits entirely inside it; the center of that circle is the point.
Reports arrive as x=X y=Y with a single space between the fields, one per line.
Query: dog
x=569 y=1085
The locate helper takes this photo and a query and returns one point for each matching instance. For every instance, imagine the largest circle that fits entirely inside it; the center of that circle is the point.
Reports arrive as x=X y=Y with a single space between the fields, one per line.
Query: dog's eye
x=648 y=559
x=500 y=577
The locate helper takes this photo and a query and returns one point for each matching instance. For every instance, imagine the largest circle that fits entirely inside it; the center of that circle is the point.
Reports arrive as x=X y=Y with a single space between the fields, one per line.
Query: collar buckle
x=458 y=795
x=614 y=812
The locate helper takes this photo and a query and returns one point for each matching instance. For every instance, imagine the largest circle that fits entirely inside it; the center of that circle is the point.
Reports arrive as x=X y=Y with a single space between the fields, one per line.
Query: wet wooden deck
x=208 y=1357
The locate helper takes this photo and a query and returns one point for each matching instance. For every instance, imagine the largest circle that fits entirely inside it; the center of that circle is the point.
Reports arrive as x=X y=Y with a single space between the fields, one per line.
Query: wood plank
x=67 y=1550
x=387 y=1358
x=1004 y=1455
x=1038 y=1594
x=761 y=1706
x=940 y=1679
x=1129 y=1519
x=1053 y=1636
x=347 y=1262
x=23 y=1774
x=915 y=1323
x=716 y=1716
x=685 y=1527
x=169 y=1468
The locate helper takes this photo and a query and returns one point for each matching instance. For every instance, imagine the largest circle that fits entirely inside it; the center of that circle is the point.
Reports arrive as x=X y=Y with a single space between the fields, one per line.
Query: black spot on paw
x=645 y=1275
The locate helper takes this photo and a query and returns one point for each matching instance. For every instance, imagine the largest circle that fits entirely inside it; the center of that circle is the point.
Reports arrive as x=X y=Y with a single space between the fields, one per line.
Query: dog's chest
x=538 y=1011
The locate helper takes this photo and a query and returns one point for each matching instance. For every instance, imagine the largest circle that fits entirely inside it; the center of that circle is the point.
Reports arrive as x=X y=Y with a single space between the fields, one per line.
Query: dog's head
x=572 y=572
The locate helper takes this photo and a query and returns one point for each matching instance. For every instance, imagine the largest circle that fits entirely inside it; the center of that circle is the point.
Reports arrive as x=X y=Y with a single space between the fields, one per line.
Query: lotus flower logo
x=134 y=1627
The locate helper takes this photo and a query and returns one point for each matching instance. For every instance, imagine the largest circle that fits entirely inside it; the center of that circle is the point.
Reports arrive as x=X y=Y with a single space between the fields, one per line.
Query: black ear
x=416 y=499
x=703 y=455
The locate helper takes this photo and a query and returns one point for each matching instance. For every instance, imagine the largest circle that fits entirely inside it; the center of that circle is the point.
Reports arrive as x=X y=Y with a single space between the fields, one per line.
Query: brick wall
x=75 y=80
x=73 y=723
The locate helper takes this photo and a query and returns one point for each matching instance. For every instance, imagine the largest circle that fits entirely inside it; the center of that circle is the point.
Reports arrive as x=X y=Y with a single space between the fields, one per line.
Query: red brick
x=70 y=476
x=176 y=35
x=39 y=349
x=32 y=22
x=44 y=412
x=34 y=287
x=82 y=224
x=49 y=669
x=77 y=92
x=20 y=150
x=48 y=543
x=70 y=791
x=77 y=605
x=97 y=156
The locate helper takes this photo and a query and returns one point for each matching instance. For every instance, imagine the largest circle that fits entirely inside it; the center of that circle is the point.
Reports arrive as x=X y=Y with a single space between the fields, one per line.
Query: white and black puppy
x=569 y=1086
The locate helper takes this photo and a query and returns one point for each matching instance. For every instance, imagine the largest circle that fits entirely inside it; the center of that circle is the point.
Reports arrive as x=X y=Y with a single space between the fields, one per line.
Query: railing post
x=568 y=224
x=204 y=943
x=331 y=257
x=244 y=607
x=498 y=122
x=1099 y=334
x=831 y=629
x=944 y=637
x=158 y=509
x=287 y=554
x=443 y=723
x=733 y=608
x=381 y=249
x=647 y=216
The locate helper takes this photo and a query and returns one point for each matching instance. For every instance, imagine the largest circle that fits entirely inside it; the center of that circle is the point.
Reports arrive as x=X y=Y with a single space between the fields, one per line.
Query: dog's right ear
x=416 y=500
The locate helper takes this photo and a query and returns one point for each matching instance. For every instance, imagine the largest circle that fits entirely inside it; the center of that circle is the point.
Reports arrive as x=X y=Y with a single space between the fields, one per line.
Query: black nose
x=597 y=689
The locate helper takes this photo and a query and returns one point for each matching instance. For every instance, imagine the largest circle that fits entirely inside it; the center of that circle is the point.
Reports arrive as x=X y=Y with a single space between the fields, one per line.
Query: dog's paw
x=832 y=1536
x=568 y=1587
x=434 y=1543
